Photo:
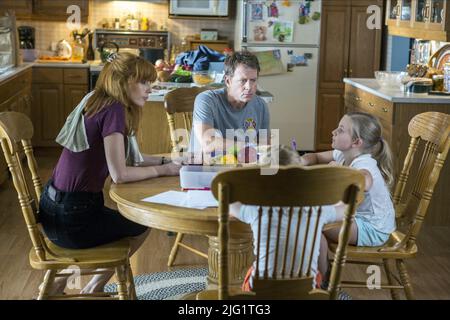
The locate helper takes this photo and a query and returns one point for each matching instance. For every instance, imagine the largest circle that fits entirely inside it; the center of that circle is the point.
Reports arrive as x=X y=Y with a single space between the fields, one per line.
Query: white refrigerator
x=291 y=31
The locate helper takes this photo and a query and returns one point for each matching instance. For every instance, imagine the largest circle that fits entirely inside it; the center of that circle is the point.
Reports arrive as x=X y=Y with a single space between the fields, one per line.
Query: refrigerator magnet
x=260 y=33
x=273 y=10
x=257 y=12
x=283 y=31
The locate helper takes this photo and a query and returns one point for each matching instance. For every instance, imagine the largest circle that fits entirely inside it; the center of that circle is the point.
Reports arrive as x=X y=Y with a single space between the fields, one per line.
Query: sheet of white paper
x=201 y=198
x=174 y=198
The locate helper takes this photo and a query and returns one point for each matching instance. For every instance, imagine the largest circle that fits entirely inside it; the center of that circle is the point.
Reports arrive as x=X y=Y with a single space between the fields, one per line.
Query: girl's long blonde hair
x=368 y=128
x=113 y=86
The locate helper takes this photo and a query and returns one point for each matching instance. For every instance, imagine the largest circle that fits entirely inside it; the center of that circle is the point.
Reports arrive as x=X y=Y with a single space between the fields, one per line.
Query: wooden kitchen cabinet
x=21 y=8
x=55 y=10
x=394 y=119
x=347 y=49
x=424 y=19
x=217 y=45
x=56 y=91
x=15 y=95
x=331 y=105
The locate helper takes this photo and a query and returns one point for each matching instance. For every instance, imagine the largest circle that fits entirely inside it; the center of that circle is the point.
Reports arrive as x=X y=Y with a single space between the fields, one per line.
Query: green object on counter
x=182 y=72
x=181 y=79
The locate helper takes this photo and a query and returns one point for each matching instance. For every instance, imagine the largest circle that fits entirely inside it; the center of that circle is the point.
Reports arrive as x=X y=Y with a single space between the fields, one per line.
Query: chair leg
x=121 y=283
x=49 y=278
x=174 y=251
x=404 y=277
x=130 y=279
x=387 y=268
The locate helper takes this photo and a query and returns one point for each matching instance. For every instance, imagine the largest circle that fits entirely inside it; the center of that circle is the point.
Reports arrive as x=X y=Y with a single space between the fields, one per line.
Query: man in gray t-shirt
x=235 y=107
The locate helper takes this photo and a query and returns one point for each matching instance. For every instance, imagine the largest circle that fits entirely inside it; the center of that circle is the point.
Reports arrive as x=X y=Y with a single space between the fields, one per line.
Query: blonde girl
x=72 y=209
x=358 y=143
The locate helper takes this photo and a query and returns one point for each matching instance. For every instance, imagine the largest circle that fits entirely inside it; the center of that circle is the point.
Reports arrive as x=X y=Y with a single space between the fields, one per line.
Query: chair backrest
x=16 y=131
x=180 y=101
x=295 y=198
x=428 y=149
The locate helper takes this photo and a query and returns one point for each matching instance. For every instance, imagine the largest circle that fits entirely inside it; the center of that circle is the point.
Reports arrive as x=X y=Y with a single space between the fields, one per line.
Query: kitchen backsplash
x=101 y=11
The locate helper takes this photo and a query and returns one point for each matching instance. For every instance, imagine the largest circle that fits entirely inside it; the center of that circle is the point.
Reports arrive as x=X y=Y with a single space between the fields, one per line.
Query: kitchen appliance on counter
x=27 y=43
x=151 y=45
x=135 y=40
x=9 y=48
x=26 y=37
x=211 y=8
x=286 y=40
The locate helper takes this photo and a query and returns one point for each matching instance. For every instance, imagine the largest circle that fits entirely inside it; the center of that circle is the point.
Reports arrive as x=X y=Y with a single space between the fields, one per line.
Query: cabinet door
x=11 y=104
x=57 y=9
x=365 y=46
x=26 y=102
x=436 y=15
x=330 y=108
x=335 y=34
x=21 y=8
x=47 y=113
x=72 y=96
x=392 y=12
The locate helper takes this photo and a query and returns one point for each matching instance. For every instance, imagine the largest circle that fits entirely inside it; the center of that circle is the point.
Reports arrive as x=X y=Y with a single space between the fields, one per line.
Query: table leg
x=240 y=258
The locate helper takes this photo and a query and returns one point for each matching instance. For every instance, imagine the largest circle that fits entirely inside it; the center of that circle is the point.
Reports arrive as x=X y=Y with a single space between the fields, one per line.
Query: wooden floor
x=430 y=271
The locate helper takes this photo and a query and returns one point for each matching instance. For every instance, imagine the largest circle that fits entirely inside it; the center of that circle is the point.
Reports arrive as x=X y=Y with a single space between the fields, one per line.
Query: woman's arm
x=120 y=173
x=153 y=160
x=310 y=159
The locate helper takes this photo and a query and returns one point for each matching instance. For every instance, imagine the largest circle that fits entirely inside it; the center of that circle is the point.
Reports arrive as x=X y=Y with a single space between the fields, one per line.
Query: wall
x=105 y=10
x=400 y=59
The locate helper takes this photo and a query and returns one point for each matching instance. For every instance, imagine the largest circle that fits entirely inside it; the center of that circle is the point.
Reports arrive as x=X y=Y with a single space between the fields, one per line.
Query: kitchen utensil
x=90 y=51
x=440 y=58
x=105 y=51
x=419 y=85
x=390 y=79
x=64 y=49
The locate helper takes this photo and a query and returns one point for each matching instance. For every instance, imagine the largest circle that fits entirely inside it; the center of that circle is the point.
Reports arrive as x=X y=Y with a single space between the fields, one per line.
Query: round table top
x=128 y=197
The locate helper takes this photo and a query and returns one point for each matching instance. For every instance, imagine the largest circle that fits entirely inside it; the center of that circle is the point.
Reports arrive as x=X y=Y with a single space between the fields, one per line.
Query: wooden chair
x=429 y=133
x=309 y=188
x=181 y=102
x=16 y=131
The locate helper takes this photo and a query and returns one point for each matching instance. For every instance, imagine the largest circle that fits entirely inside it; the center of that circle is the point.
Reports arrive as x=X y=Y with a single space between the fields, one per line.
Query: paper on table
x=175 y=198
x=195 y=199
x=201 y=198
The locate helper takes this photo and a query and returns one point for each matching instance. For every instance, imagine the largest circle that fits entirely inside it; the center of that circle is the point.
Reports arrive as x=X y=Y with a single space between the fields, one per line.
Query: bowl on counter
x=391 y=79
x=203 y=78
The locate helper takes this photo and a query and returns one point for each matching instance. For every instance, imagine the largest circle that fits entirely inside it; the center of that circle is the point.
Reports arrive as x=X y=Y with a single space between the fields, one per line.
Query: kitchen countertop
x=13 y=71
x=60 y=65
x=158 y=95
x=26 y=65
x=395 y=95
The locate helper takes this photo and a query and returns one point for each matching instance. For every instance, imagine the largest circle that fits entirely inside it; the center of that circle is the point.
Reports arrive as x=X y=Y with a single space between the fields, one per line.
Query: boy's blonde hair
x=368 y=128
x=287 y=156
x=113 y=83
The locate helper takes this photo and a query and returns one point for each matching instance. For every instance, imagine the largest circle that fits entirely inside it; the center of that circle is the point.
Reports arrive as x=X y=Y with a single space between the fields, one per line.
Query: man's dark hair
x=245 y=58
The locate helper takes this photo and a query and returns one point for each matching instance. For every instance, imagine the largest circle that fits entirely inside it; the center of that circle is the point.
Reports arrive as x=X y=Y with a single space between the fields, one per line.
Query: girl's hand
x=303 y=161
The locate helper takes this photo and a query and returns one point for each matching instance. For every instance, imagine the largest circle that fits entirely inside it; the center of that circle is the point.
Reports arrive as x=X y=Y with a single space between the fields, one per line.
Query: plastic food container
x=199 y=177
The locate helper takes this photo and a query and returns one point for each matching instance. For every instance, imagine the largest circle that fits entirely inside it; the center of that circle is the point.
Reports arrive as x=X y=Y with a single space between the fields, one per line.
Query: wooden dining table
x=129 y=196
